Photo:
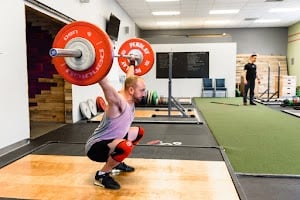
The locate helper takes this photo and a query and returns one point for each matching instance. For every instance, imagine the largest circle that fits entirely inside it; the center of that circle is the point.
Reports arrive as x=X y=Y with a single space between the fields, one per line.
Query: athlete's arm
x=115 y=101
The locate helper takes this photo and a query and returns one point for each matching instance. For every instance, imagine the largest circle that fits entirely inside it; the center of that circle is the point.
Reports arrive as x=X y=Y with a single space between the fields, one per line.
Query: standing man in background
x=250 y=75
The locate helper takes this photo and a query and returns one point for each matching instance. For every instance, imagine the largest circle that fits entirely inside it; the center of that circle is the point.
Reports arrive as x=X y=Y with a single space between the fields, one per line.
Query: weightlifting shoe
x=124 y=168
x=106 y=181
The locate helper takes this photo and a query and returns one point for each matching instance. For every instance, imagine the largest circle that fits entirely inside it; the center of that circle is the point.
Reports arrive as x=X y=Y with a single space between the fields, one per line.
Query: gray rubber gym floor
x=197 y=143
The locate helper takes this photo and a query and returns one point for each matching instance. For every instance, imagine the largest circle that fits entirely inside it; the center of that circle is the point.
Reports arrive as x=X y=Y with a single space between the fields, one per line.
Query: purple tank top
x=112 y=128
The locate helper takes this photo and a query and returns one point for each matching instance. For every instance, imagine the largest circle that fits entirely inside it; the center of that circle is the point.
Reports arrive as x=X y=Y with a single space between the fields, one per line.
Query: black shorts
x=99 y=152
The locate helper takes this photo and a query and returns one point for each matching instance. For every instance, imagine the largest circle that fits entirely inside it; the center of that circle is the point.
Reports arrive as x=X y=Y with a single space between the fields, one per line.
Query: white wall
x=14 y=118
x=96 y=12
x=222 y=64
x=14 y=107
x=268 y=41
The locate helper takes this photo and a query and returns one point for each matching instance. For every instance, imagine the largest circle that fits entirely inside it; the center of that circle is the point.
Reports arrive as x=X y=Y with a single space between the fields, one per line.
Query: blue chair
x=207 y=88
x=220 y=87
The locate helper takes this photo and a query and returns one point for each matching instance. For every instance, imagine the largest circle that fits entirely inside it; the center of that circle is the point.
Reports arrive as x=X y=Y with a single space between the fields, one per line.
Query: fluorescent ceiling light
x=170 y=23
x=166 y=13
x=273 y=0
x=283 y=10
x=267 y=20
x=220 y=12
x=160 y=0
x=212 y=22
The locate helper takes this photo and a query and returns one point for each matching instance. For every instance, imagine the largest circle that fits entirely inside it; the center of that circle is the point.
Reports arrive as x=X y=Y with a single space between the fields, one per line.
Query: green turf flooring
x=256 y=139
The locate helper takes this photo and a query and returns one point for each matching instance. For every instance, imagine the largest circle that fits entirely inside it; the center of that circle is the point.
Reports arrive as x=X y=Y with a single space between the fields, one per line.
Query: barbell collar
x=58 y=52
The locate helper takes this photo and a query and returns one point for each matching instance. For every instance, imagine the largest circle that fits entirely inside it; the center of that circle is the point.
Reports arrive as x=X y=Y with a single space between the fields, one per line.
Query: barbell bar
x=54 y=52
x=77 y=54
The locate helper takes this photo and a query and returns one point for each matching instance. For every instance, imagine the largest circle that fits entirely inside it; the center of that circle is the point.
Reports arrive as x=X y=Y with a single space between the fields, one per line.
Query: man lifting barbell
x=83 y=55
x=114 y=139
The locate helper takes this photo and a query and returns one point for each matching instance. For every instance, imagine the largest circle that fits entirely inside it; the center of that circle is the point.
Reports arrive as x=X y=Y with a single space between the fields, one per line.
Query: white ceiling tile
x=195 y=12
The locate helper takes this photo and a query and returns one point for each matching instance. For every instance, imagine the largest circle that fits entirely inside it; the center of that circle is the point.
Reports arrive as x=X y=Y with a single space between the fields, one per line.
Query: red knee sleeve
x=122 y=151
x=139 y=135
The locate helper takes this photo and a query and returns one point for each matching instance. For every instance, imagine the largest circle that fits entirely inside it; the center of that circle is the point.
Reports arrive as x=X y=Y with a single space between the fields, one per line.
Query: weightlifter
x=114 y=139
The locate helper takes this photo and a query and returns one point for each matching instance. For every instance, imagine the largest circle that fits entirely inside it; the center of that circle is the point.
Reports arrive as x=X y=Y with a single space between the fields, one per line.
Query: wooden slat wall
x=262 y=69
x=50 y=104
x=68 y=102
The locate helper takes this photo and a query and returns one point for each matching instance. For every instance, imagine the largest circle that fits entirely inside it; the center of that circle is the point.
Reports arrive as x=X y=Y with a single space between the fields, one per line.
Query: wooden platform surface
x=71 y=177
x=148 y=113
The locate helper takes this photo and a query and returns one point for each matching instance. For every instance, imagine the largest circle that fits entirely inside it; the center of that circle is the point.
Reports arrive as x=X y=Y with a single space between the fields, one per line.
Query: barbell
x=83 y=54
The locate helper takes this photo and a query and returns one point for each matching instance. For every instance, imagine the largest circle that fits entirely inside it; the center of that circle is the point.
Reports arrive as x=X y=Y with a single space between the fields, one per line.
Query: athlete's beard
x=137 y=100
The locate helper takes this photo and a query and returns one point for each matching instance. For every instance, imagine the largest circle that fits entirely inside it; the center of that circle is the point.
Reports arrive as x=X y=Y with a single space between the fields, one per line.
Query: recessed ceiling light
x=168 y=23
x=273 y=0
x=220 y=12
x=166 y=13
x=282 y=10
x=251 y=18
x=217 y=22
x=267 y=20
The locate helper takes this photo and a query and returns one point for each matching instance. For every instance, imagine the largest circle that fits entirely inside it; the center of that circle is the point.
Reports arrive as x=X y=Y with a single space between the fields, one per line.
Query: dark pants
x=249 y=86
x=99 y=151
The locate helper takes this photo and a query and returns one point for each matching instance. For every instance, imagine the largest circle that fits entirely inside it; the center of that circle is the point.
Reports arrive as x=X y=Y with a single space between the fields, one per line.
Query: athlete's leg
x=135 y=134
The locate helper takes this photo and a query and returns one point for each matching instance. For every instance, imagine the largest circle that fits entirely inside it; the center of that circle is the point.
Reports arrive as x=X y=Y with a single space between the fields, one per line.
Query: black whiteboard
x=184 y=65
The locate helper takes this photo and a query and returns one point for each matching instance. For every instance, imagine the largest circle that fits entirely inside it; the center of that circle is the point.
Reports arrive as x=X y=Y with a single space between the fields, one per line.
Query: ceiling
x=194 y=14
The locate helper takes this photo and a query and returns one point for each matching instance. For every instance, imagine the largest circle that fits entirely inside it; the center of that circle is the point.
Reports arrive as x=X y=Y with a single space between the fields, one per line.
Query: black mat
x=258 y=188
x=66 y=149
x=178 y=153
x=187 y=134
x=140 y=151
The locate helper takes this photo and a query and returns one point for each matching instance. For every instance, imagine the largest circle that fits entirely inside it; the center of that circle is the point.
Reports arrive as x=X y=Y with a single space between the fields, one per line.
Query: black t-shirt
x=251 y=71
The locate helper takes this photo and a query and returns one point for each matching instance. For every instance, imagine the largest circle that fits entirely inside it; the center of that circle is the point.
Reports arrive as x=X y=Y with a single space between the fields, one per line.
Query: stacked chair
x=207 y=88
x=220 y=88
x=214 y=89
